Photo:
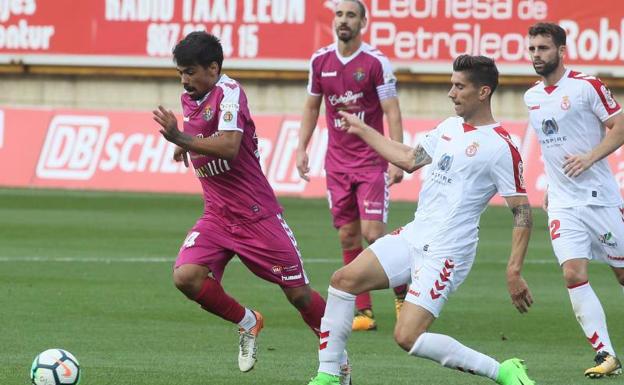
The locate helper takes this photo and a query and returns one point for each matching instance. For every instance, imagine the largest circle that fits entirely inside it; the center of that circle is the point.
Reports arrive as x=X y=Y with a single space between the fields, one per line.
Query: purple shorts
x=267 y=247
x=360 y=195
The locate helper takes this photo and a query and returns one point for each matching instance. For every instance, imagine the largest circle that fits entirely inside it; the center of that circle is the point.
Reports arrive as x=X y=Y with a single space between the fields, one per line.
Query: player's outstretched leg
x=513 y=372
x=606 y=365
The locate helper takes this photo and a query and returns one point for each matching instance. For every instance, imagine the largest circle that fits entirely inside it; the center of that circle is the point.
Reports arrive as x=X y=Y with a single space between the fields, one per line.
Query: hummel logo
x=328 y=74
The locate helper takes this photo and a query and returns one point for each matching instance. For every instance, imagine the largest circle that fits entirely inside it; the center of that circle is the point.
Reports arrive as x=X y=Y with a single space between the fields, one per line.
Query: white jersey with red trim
x=469 y=165
x=568 y=119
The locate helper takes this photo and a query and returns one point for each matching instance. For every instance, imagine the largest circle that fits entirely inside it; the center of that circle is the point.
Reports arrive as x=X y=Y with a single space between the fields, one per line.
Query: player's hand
x=395 y=175
x=181 y=155
x=303 y=164
x=545 y=202
x=574 y=165
x=519 y=291
x=350 y=123
x=168 y=122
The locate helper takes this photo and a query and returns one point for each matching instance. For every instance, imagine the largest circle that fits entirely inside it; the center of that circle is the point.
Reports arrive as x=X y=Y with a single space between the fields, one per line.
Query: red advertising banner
x=114 y=150
x=417 y=35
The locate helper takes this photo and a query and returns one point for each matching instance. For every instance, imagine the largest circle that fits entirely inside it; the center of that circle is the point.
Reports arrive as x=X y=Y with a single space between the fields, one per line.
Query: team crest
x=565 y=103
x=550 y=126
x=359 y=75
x=207 y=113
x=472 y=149
x=227 y=116
x=445 y=162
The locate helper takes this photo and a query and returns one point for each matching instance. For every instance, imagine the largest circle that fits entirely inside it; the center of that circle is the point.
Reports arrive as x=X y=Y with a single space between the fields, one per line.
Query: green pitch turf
x=91 y=273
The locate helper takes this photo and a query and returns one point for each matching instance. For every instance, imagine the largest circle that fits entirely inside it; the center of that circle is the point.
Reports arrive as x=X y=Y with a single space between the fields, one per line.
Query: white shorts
x=433 y=277
x=590 y=232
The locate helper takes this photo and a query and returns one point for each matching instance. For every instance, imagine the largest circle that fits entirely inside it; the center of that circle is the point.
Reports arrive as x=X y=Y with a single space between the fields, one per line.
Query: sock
x=400 y=291
x=248 y=321
x=452 y=354
x=314 y=312
x=362 y=301
x=335 y=330
x=590 y=316
x=213 y=298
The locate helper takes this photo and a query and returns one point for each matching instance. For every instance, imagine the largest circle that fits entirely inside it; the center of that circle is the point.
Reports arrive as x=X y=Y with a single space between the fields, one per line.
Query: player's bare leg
x=411 y=335
x=590 y=315
x=198 y=284
x=350 y=235
x=363 y=274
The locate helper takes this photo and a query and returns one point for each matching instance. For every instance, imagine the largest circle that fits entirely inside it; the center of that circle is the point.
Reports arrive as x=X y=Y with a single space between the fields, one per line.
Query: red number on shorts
x=554 y=227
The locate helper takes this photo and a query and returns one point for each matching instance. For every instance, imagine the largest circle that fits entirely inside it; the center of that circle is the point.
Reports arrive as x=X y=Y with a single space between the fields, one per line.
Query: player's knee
x=188 y=282
x=342 y=280
x=299 y=297
x=405 y=336
x=574 y=277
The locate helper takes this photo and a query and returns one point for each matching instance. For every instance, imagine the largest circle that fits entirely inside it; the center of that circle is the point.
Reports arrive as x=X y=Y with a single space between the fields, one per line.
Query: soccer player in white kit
x=472 y=158
x=569 y=112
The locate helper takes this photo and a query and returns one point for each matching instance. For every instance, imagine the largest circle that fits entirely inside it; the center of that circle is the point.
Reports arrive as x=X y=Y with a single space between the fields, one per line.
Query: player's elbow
x=230 y=153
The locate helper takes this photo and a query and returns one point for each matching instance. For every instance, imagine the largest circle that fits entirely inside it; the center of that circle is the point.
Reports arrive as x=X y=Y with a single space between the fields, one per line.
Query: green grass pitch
x=91 y=273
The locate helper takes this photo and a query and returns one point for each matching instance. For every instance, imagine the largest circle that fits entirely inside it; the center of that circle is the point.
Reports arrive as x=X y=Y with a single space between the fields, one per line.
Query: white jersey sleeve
x=507 y=170
x=600 y=99
x=430 y=140
x=229 y=108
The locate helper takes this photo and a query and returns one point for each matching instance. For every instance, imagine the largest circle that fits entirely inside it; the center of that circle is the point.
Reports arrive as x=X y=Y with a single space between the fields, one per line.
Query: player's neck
x=482 y=117
x=553 y=78
x=346 y=49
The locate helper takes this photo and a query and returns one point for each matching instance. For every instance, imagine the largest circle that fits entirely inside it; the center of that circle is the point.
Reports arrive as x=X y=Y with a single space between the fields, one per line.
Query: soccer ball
x=55 y=367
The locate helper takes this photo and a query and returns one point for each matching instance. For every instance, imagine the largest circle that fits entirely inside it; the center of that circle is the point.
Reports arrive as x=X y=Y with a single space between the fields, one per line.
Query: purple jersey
x=355 y=84
x=236 y=191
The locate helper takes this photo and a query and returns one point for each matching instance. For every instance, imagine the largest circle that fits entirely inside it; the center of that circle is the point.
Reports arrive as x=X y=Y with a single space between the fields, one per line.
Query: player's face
x=197 y=80
x=347 y=21
x=464 y=94
x=545 y=55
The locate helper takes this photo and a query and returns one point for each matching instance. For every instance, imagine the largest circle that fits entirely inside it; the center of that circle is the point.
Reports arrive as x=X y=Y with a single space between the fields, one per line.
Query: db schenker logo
x=72 y=147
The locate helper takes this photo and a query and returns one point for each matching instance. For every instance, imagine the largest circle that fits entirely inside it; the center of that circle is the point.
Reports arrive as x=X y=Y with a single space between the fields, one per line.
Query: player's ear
x=485 y=92
x=562 y=51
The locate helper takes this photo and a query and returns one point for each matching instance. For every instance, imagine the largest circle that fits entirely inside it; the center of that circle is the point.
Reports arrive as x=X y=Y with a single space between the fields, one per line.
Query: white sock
x=591 y=316
x=248 y=321
x=335 y=330
x=450 y=353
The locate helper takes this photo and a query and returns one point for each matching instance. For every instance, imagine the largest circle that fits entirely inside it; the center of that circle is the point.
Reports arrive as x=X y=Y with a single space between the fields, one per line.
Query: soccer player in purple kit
x=354 y=77
x=241 y=214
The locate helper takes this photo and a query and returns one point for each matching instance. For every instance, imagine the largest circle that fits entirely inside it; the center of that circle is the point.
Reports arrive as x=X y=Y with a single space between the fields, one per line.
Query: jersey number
x=554 y=228
x=190 y=239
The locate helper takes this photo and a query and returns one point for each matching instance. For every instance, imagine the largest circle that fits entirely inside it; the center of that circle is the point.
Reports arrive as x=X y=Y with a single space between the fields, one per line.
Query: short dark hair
x=481 y=70
x=361 y=7
x=198 y=47
x=553 y=30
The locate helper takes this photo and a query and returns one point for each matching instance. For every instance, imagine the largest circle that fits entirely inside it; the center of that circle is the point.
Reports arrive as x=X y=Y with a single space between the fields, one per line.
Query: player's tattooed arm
x=522 y=215
x=419 y=158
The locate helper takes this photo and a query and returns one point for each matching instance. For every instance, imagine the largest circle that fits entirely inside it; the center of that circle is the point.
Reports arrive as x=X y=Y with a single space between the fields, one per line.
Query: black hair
x=198 y=48
x=553 y=30
x=481 y=70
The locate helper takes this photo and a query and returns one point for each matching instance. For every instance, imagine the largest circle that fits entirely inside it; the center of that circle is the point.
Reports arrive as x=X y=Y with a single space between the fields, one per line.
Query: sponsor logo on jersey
x=471 y=150
x=550 y=126
x=291 y=277
x=277 y=269
x=208 y=113
x=445 y=162
x=346 y=98
x=229 y=107
x=565 y=103
x=607 y=239
x=608 y=97
x=328 y=74
x=228 y=116
x=521 y=174
x=359 y=75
